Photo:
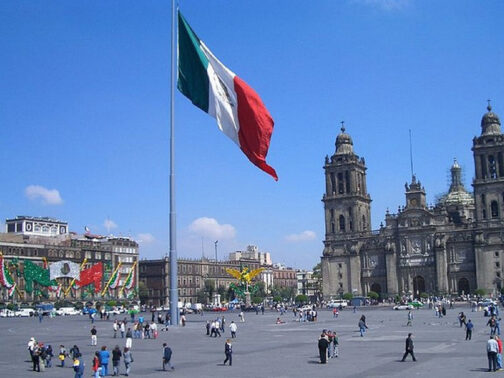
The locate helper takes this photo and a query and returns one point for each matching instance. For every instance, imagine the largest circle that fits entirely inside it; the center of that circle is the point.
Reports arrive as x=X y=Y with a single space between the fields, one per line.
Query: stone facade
x=453 y=247
x=38 y=239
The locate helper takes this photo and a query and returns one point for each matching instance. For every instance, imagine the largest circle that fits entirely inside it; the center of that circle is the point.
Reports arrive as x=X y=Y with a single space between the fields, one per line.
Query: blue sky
x=84 y=113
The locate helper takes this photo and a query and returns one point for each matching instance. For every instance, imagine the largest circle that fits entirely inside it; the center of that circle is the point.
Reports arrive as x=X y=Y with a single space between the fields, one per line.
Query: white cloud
x=301 y=237
x=210 y=228
x=388 y=5
x=145 y=238
x=109 y=224
x=48 y=196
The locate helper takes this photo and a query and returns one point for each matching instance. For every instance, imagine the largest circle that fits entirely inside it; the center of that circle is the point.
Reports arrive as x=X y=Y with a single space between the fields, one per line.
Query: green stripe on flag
x=192 y=66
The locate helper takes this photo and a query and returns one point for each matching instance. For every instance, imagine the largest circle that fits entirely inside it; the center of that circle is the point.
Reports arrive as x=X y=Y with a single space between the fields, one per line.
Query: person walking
x=492 y=350
x=336 y=345
x=75 y=352
x=228 y=351
x=48 y=356
x=122 y=328
x=78 y=367
x=208 y=328
x=115 y=327
x=116 y=358
x=362 y=325
x=469 y=328
x=323 y=343
x=242 y=317
x=492 y=324
x=96 y=365
x=129 y=339
x=499 y=353
x=462 y=319
x=167 y=355
x=154 y=331
x=233 y=328
x=128 y=359
x=62 y=355
x=36 y=357
x=409 y=348
x=410 y=319
x=94 y=338
x=104 y=360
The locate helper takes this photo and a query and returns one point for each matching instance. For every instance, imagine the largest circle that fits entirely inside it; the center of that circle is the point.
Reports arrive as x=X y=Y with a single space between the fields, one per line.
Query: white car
x=337 y=303
x=67 y=311
x=24 y=312
x=403 y=307
x=6 y=313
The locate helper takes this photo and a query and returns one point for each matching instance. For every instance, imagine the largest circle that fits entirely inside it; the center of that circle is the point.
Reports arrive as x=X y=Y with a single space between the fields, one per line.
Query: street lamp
x=216 y=242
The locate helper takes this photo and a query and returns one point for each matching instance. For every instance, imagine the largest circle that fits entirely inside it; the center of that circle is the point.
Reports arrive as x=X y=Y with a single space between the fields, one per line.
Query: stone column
x=441 y=269
x=392 y=281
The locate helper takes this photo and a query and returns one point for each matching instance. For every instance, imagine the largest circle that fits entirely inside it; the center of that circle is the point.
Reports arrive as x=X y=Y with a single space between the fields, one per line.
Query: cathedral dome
x=344 y=143
x=490 y=123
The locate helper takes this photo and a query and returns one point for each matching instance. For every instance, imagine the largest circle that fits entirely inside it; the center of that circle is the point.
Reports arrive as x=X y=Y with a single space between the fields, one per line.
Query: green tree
x=143 y=292
x=277 y=299
x=373 y=295
x=202 y=297
x=257 y=300
x=230 y=294
x=261 y=289
x=480 y=292
x=209 y=288
x=222 y=291
x=347 y=296
x=317 y=277
x=301 y=299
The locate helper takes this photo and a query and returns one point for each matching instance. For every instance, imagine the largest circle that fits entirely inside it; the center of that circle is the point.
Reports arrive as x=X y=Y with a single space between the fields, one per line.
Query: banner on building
x=64 y=269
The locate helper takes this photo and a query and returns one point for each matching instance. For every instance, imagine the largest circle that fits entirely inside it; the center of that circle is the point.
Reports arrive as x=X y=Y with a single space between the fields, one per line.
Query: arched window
x=483 y=206
x=492 y=167
x=342 y=223
x=364 y=223
x=494 y=206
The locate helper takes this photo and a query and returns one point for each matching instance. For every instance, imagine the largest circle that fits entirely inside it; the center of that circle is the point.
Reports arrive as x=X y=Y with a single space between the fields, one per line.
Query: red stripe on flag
x=256 y=126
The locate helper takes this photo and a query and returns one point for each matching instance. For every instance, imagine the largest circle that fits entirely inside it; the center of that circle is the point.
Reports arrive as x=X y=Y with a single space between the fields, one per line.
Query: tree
x=209 y=288
x=301 y=299
x=317 y=276
x=222 y=291
x=230 y=294
x=347 y=296
x=277 y=299
x=480 y=292
x=143 y=292
x=257 y=300
x=261 y=289
x=202 y=297
x=373 y=295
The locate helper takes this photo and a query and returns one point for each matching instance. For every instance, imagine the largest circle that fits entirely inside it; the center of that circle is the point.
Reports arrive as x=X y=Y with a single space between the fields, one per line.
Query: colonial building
x=453 y=247
x=43 y=241
x=192 y=274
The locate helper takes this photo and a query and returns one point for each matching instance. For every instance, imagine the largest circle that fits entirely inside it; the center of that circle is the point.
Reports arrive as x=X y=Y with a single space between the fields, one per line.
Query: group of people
x=102 y=357
x=215 y=327
x=328 y=345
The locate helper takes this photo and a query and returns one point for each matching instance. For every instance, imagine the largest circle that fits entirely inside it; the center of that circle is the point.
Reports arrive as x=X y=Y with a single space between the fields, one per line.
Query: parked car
x=67 y=311
x=6 y=313
x=24 y=312
x=416 y=304
x=403 y=307
x=337 y=303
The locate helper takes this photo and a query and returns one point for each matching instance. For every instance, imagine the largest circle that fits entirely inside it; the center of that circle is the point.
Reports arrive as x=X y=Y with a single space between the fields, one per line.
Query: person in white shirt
x=233 y=328
x=492 y=350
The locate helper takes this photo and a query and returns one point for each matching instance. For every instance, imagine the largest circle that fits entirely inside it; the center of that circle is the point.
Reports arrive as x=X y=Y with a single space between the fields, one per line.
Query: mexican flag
x=130 y=281
x=215 y=89
x=114 y=281
x=56 y=289
x=6 y=278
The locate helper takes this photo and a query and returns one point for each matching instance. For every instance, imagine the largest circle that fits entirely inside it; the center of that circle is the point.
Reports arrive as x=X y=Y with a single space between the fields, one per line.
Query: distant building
x=307 y=284
x=252 y=253
x=453 y=247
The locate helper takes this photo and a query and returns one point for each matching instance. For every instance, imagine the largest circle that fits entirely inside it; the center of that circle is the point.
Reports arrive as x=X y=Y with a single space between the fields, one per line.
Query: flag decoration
x=35 y=273
x=91 y=275
x=241 y=115
x=130 y=281
x=114 y=281
x=5 y=277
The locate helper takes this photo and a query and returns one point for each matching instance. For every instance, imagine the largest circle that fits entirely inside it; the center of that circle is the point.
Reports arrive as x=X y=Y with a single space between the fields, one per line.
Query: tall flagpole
x=174 y=312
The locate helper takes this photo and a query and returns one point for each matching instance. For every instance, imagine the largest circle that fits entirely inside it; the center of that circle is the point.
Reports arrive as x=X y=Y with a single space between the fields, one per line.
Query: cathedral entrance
x=463 y=286
x=418 y=286
x=376 y=288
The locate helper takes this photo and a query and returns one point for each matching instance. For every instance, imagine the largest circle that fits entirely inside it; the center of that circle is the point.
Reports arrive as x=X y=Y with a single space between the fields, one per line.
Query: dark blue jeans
x=492 y=361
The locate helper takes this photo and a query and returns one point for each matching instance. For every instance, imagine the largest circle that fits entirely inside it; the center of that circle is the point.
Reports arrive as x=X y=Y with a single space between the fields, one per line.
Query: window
x=496 y=253
x=483 y=168
x=342 y=223
x=497 y=264
x=333 y=183
x=363 y=223
x=492 y=167
x=340 y=265
x=494 y=206
x=341 y=189
x=347 y=181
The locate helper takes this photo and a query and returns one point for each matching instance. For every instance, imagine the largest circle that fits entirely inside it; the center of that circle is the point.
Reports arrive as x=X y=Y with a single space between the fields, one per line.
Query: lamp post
x=216 y=242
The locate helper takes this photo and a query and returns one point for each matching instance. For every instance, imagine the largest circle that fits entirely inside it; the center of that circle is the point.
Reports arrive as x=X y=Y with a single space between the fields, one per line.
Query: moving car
x=403 y=307
x=6 y=313
x=337 y=303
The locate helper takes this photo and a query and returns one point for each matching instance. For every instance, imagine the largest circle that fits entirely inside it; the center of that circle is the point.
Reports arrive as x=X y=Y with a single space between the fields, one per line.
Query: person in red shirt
x=499 y=355
x=96 y=365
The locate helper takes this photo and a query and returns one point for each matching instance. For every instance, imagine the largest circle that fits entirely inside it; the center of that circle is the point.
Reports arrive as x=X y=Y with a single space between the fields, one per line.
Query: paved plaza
x=265 y=349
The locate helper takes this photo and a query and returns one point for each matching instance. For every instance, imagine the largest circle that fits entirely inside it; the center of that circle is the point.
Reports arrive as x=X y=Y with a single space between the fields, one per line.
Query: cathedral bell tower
x=346 y=201
x=488 y=184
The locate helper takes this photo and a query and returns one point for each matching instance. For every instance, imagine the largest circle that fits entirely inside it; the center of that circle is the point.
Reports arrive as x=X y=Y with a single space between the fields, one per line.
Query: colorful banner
x=64 y=269
x=115 y=280
x=91 y=275
x=35 y=273
x=5 y=276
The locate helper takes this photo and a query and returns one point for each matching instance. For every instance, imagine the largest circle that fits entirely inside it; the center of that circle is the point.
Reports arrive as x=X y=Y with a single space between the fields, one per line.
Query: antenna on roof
x=411 y=153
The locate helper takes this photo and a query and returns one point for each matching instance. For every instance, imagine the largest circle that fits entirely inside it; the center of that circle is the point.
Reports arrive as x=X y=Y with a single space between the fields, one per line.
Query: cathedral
x=453 y=247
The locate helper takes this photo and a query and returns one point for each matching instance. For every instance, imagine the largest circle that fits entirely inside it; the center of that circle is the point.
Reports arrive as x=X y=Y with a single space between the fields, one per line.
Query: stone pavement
x=264 y=349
